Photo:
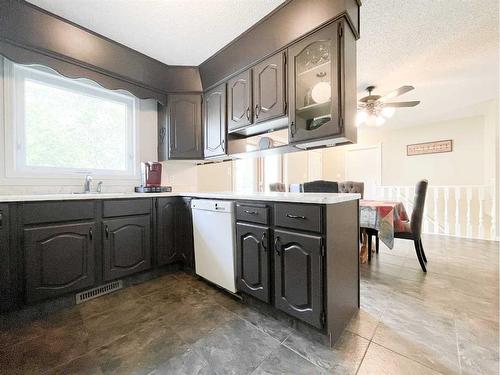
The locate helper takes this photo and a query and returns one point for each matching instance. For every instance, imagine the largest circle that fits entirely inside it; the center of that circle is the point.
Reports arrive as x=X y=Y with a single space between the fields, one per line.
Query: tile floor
x=445 y=322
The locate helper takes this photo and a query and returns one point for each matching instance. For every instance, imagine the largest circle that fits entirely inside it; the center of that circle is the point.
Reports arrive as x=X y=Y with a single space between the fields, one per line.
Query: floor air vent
x=97 y=292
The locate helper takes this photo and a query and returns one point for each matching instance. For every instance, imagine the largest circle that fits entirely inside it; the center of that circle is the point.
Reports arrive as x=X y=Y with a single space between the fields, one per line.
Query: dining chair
x=413 y=228
x=277 y=186
x=359 y=188
x=296 y=188
x=321 y=186
x=352 y=187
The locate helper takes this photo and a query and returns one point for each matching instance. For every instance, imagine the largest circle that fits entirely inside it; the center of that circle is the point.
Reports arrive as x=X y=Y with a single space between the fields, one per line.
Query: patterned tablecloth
x=385 y=216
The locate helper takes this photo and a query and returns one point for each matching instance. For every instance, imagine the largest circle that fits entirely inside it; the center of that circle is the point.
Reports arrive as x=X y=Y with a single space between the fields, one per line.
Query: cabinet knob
x=106 y=230
x=91 y=234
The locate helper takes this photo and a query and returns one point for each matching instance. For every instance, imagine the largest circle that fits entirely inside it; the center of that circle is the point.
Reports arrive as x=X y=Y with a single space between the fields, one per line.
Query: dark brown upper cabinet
x=239 y=101
x=269 y=88
x=184 y=122
x=320 y=69
x=58 y=259
x=126 y=246
x=298 y=275
x=215 y=122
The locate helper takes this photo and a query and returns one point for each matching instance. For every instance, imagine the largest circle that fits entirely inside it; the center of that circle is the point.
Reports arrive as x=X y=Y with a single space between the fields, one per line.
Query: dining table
x=386 y=217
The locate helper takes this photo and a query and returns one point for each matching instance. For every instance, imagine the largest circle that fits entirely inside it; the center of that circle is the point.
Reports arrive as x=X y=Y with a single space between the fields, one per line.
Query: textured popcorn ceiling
x=176 y=32
x=447 y=49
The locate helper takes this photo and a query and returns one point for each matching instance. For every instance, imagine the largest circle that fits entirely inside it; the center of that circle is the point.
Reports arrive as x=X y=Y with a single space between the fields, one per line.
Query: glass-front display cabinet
x=315 y=86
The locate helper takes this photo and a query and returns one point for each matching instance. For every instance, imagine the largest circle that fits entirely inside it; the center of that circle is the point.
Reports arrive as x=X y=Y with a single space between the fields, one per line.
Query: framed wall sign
x=435 y=147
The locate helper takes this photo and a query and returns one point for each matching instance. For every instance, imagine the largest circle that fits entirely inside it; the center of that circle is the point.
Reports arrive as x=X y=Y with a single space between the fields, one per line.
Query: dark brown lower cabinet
x=252 y=260
x=174 y=231
x=5 y=274
x=184 y=231
x=58 y=259
x=298 y=276
x=167 y=251
x=126 y=246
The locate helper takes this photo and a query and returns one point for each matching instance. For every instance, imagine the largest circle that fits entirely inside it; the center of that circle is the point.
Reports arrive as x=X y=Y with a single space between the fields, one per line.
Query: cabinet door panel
x=127 y=246
x=314 y=86
x=184 y=119
x=298 y=276
x=269 y=88
x=167 y=251
x=6 y=289
x=215 y=121
x=253 y=260
x=239 y=100
x=58 y=259
x=184 y=232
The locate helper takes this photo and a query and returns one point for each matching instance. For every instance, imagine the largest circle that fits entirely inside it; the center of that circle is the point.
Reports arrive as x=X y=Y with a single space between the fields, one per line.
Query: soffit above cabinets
x=175 y=32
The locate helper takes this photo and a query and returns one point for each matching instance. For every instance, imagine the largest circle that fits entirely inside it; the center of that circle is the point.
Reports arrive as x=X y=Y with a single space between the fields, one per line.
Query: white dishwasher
x=214 y=241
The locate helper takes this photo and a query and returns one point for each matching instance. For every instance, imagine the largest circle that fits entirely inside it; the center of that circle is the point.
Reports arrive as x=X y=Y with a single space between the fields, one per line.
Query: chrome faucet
x=99 y=187
x=86 y=185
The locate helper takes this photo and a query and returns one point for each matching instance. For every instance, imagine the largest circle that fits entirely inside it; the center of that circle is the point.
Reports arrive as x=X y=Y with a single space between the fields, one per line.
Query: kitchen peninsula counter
x=296 y=253
x=315 y=198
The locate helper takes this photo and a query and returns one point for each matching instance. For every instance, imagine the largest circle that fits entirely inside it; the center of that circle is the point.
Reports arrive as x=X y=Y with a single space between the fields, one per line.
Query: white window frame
x=15 y=167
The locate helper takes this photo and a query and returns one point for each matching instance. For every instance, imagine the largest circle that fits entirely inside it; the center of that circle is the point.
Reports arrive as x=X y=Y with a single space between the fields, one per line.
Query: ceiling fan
x=373 y=110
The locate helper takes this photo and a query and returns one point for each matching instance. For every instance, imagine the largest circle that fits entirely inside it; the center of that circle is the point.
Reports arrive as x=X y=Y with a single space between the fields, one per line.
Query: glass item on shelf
x=317 y=122
x=308 y=99
x=313 y=90
x=321 y=92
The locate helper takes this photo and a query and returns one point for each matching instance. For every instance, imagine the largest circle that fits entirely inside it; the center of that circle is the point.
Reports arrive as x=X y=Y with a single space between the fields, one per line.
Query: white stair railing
x=462 y=210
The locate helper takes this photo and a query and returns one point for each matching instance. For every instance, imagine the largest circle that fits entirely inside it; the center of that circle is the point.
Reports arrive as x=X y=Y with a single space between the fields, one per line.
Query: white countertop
x=319 y=198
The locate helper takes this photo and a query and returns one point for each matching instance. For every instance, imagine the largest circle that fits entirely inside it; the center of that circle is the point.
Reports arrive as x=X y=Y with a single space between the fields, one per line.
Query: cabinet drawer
x=51 y=212
x=298 y=216
x=252 y=213
x=126 y=207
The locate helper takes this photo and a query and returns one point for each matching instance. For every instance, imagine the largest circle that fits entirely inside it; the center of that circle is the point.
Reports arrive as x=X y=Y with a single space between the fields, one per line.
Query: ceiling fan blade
x=402 y=104
x=402 y=90
x=368 y=98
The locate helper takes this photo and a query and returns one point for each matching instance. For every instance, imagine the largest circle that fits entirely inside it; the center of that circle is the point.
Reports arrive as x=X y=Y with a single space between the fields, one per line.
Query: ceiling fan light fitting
x=388 y=112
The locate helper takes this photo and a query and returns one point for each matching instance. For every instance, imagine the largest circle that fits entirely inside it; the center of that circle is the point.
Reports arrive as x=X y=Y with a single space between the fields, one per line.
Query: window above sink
x=62 y=128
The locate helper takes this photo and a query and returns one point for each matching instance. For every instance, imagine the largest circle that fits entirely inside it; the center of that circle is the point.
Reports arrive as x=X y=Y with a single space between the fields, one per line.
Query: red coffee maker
x=151 y=174
x=151 y=179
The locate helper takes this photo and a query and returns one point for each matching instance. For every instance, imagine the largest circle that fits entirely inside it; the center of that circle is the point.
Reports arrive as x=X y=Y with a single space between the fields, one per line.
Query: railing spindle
x=457 y=211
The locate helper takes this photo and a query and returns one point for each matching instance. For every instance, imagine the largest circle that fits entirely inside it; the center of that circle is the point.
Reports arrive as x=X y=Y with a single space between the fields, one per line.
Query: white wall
x=215 y=177
x=473 y=150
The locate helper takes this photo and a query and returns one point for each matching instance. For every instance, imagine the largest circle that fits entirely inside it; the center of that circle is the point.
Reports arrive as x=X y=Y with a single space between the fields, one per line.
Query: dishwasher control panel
x=211 y=205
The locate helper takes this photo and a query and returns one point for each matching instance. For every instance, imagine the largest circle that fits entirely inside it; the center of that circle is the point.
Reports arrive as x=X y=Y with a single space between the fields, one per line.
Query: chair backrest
x=321 y=186
x=277 y=186
x=296 y=188
x=352 y=187
x=418 y=208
